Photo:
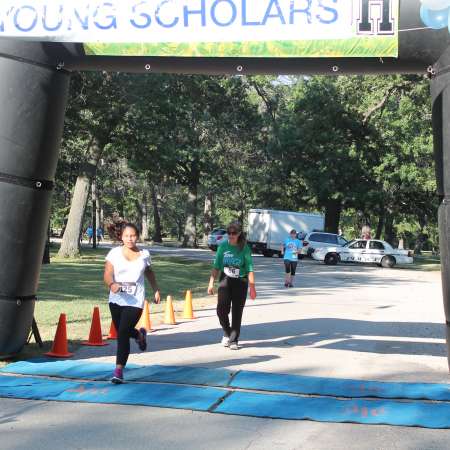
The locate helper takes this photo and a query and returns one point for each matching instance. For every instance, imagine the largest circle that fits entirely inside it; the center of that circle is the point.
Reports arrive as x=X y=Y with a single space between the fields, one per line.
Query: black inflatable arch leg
x=440 y=91
x=33 y=95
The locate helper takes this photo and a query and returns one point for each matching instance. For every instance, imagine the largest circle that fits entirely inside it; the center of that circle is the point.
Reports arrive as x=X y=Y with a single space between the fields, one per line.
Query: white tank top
x=131 y=274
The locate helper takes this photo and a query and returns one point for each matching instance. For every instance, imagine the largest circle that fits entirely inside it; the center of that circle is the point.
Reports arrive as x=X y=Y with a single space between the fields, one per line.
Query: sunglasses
x=233 y=233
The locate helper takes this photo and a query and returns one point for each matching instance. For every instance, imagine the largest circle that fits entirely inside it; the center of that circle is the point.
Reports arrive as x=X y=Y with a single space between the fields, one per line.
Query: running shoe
x=117 y=376
x=142 y=339
x=286 y=285
x=234 y=346
x=291 y=285
x=226 y=341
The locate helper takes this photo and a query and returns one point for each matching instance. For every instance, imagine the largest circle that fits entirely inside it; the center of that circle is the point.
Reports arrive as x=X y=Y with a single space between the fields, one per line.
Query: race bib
x=232 y=272
x=128 y=288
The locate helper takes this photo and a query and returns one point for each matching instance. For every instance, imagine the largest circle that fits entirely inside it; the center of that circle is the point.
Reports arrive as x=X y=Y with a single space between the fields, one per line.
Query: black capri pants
x=290 y=266
x=125 y=319
x=231 y=295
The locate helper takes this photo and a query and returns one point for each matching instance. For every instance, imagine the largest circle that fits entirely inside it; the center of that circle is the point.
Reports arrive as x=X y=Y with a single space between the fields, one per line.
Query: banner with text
x=210 y=28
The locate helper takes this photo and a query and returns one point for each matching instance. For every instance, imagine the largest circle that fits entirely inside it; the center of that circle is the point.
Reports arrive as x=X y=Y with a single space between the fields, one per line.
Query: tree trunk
x=208 y=216
x=420 y=242
x=98 y=218
x=389 y=235
x=70 y=242
x=140 y=214
x=333 y=210
x=190 y=229
x=157 y=235
x=142 y=209
x=46 y=257
x=180 y=230
x=380 y=225
x=94 y=212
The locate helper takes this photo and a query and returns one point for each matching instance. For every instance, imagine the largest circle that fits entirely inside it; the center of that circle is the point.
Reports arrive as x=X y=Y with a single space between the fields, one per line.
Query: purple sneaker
x=142 y=340
x=117 y=376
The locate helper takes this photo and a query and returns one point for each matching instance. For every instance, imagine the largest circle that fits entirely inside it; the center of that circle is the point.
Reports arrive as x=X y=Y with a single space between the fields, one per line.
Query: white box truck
x=267 y=229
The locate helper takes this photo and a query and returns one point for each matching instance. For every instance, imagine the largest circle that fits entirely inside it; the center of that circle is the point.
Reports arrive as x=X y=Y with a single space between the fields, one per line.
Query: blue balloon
x=435 y=19
x=435 y=4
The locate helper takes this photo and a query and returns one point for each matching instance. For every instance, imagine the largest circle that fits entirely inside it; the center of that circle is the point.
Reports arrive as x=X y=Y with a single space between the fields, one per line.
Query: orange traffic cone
x=95 y=335
x=112 y=331
x=59 y=347
x=144 y=321
x=170 y=315
x=188 y=312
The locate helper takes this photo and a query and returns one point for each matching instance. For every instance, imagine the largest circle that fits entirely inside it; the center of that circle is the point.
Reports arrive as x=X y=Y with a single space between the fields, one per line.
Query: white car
x=217 y=236
x=364 y=251
x=320 y=239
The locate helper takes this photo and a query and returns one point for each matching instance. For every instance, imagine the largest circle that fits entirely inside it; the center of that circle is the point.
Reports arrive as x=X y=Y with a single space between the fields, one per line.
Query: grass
x=75 y=286
x=427 y=262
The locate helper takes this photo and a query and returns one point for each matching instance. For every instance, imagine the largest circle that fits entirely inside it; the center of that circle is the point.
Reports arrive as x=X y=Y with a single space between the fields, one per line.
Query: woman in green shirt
x=235 y=265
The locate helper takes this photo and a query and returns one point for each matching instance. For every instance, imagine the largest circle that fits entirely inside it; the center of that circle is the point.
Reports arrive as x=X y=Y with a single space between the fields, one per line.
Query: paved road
x=346 y=321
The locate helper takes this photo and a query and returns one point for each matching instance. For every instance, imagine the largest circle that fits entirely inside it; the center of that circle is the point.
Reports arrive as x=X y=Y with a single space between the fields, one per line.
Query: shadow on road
x=405 y=338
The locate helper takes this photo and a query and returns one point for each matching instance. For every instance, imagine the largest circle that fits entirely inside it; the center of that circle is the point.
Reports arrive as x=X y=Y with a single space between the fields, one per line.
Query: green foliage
x=357 y=148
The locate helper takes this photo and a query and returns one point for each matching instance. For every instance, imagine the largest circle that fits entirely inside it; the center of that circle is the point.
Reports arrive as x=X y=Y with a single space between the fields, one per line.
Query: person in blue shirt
x=99 y=234
x=291 y=249
x=90 y=233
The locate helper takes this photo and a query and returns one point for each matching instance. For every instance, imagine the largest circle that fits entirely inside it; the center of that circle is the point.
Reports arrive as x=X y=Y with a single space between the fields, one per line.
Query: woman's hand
x=114 y=287
x=157 y=297
x=212 y=279
x=252 y=292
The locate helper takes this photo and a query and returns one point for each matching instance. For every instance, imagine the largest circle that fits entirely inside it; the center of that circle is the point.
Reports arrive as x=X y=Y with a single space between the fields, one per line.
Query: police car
x=364 y=251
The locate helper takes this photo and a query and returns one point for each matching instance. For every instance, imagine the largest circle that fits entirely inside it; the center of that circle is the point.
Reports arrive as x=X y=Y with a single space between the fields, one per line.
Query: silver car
x=217 y=236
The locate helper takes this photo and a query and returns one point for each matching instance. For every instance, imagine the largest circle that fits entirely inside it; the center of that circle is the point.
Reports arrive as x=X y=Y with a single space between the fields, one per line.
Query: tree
x=94 y=111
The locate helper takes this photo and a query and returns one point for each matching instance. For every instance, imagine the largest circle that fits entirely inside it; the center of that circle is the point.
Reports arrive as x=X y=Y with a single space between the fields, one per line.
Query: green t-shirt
x=232 y=261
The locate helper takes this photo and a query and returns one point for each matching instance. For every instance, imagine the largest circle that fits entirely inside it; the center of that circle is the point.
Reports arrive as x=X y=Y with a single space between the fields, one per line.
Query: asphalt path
x=347 y=321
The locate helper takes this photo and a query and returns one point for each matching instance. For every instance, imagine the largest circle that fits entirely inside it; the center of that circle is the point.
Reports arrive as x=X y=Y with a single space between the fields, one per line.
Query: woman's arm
x=212 y=278
x=152 y=280
x=108 y=278
x=251 y=284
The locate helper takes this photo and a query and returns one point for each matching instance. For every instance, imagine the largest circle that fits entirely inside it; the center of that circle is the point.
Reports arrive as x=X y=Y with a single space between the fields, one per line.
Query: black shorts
x=290 y=266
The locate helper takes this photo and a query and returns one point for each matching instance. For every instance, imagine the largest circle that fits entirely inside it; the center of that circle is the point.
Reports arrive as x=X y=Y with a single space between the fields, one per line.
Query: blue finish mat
x=338 y=387
x=277 y=406
x=183 y=375
x=103 y=371
x=33 y=388
x=82 y=370
x=259 y=381
x=159 y=395
x=326 y=409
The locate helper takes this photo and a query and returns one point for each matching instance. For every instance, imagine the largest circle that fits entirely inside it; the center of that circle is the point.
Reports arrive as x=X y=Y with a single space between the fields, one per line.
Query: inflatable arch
x=43 y=41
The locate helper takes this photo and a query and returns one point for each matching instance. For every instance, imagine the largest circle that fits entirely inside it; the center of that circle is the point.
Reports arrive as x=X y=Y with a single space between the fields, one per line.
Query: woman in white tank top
x=125 y=269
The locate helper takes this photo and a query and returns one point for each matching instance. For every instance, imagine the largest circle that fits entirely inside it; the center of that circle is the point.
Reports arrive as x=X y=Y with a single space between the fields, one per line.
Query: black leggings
x=290 y=266
x=231 y=291
x=125 y=319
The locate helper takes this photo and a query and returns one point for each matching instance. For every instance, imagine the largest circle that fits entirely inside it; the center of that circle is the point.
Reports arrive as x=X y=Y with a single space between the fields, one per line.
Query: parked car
x=364 y=251
x=316 y=239
x=217 y=236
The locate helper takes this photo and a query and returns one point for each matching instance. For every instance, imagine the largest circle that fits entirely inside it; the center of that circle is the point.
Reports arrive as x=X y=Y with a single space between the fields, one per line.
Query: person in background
x=99 y=234
x=125 y=268
x=290 y=250
x=366 y=233
x=235 y=265
x=90 y=233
